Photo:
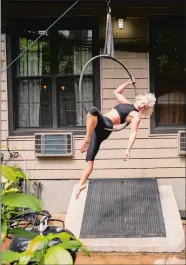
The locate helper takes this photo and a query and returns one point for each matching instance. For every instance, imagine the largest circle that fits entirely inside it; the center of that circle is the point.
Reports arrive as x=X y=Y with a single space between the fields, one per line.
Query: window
x=167 y=79
x=44 y=80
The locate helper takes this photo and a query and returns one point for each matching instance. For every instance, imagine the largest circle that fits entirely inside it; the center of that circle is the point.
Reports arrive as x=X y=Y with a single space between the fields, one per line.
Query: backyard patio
x=93 y=136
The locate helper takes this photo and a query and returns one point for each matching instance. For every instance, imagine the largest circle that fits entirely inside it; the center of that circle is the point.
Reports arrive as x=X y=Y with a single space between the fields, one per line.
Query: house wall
x=151 y=156
x=4 y=102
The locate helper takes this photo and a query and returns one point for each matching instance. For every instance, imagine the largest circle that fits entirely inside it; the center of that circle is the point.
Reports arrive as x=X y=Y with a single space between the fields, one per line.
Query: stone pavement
x=172 y=260
x=133 y=258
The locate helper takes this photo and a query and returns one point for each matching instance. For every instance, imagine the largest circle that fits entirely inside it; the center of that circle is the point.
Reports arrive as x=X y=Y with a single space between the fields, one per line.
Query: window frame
x=154 y=128
x=92 y=23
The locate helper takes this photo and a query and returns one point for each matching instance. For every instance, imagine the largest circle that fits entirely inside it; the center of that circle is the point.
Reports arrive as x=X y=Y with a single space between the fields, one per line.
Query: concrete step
x=173 y=242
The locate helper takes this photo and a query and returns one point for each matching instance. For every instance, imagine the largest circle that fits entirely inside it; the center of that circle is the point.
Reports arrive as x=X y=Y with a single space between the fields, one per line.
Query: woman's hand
x=130 y=82
x=127 y=155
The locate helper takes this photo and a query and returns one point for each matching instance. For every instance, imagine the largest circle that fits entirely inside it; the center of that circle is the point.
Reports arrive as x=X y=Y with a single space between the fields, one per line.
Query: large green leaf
x=38 y=255
x=15 y=212
x=7 y=185
x=67 y=243
x=57 y=255
x=9 y=256
x=9 y=191
x=39 y=242
x=85 y=251
x=36 y=244
x=3 y=229
x=12 y=173
x=8 y=216
x=8 y=173
x=19 y=173
x=24 y=258
x=21 y=200
x=19 y=232
x=3 y=216
x=63 y=236
x=70 y=245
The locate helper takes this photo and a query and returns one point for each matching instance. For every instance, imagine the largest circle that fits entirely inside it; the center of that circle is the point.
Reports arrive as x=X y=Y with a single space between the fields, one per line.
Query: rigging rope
x=44 y=32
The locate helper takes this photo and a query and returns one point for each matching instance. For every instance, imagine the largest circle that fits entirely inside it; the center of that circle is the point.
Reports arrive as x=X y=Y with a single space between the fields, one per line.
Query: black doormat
x=117 y=208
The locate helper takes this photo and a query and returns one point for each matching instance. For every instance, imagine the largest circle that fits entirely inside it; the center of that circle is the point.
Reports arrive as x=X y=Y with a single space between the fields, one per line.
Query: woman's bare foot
x=79 y=190
x=85 y=145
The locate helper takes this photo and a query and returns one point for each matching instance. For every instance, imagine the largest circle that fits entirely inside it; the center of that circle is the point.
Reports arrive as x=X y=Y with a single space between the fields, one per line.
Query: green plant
x=13 y=200
x=40 y=251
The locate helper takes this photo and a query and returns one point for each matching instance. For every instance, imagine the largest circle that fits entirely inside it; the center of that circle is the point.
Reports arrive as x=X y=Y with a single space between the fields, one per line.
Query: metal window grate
x=117 y=208
x=54 y=145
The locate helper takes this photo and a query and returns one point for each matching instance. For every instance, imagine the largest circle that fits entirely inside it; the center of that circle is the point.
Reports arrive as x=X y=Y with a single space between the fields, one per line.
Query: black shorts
x=99 y=134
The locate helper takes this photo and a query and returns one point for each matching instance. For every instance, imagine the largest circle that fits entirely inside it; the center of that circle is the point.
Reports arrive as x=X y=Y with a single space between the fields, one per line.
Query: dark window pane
x=75 y=49
x=36 y=60
x=166 y=39
x=49 y=72
x=167 y=44
x=165 y=62
x=71 y=112
x=34 y=103
x=171 y=100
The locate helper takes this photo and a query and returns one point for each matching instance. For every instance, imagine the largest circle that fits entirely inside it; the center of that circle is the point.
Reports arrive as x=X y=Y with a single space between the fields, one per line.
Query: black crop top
x=123 y=110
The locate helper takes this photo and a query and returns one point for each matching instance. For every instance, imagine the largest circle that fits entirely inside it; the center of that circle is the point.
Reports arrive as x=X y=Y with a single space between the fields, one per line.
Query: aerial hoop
x=109 y=54
x=81 y=81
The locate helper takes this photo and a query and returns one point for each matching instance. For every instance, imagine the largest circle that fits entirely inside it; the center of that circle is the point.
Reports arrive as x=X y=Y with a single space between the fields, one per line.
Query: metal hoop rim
x=81 y=80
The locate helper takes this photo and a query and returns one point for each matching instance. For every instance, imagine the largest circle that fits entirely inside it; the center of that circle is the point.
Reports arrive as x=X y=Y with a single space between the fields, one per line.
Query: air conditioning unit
x=54 y=144
x=182 y=142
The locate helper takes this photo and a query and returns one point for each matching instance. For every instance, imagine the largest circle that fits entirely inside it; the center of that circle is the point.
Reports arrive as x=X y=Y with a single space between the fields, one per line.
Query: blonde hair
x=150 y=100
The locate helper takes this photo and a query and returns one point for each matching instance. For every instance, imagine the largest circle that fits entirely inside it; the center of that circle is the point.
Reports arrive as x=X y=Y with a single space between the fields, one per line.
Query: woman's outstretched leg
x=91 y=123
x=90 y=156
x=86 y=172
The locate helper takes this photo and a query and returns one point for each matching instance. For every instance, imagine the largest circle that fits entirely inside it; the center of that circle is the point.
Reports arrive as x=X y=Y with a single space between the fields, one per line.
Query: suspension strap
x=109 y=41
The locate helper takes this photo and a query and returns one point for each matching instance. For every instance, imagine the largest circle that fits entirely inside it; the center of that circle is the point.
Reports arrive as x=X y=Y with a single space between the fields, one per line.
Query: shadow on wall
x=54 y=194
x=34 y=188
x=178 y=186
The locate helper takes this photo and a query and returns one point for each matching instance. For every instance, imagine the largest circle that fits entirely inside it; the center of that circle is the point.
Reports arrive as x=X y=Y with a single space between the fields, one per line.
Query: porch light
x=120 y=23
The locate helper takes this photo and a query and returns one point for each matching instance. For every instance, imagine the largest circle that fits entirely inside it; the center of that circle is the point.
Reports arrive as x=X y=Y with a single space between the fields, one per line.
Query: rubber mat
x=117 y=208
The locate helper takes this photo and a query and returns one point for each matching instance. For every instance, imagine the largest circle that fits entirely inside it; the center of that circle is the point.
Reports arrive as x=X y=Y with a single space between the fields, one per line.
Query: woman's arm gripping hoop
x=118 y=91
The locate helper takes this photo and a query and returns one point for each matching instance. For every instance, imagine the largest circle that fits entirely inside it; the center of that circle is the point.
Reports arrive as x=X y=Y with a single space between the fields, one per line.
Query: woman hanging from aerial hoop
x=97 y=125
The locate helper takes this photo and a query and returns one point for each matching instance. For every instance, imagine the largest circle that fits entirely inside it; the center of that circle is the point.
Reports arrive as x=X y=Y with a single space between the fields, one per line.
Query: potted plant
x=59 y=248
x=38 y=242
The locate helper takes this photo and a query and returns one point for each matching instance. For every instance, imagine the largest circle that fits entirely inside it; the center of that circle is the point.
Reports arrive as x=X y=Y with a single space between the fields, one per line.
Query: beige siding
x=151 y=156
x=4 y=109
x=108 y=173
x=146 y=159
x=120 y=73
x=129 y=93
x=113 y=83
x=129 y=63
x=107 y=164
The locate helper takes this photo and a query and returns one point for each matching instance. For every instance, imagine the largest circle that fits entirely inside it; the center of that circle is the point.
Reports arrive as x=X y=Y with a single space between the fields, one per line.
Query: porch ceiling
x=52 y=8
